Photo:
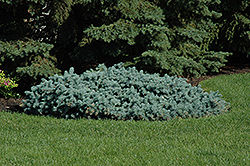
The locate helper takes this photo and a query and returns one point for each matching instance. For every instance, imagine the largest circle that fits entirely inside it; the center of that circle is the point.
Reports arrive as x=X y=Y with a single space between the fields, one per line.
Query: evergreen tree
x=171 y=37
x=22 y=52
x=179 y=37
x=234 y=33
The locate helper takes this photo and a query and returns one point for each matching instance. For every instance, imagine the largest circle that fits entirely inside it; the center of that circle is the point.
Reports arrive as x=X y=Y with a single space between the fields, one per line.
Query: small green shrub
x=121 y=93
x=6 y=86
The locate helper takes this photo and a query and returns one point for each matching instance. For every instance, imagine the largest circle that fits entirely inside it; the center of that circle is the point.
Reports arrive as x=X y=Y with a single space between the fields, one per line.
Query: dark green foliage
x=235 y=29
x=121 y=93
x=30 y=60
x=22 y=54
x=181 y=37
x=30 y=57
x=171 y=37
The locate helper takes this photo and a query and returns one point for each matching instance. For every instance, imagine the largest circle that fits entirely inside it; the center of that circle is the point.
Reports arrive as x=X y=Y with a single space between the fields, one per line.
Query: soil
x=227 y=70
x=14 y=105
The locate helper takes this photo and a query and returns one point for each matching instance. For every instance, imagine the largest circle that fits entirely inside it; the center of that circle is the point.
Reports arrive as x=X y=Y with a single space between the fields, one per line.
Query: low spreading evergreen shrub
x=121 y=93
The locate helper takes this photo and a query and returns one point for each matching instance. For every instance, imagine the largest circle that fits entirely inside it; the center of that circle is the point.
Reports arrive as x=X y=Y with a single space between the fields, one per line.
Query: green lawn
x=215 y=140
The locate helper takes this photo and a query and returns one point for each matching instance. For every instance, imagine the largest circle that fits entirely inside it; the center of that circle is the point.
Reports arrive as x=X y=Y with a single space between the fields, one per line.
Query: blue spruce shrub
x=121 y=93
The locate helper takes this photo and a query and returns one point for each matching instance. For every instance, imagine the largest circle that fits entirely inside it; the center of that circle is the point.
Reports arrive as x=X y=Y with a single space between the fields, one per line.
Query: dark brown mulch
x=227 y=70
x=14 y=105
x=11 y=104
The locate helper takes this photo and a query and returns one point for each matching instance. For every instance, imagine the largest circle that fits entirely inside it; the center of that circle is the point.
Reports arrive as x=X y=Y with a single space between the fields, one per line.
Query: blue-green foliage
x=121 y=93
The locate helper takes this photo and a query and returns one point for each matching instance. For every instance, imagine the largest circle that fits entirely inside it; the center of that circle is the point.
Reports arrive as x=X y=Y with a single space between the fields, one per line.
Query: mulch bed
x=13 y=105
x=227 y=70
x=10 y=105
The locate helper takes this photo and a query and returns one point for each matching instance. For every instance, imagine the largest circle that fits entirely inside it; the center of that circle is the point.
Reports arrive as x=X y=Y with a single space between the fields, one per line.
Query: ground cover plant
x=121 y=93
x=214 y=140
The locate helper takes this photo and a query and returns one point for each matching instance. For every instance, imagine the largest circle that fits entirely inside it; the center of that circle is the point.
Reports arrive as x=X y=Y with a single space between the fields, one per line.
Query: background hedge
x=186 y=38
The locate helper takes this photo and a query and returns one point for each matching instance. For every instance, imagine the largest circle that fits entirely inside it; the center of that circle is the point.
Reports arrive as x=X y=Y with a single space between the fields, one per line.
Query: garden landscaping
x=14 y=104
x=214 y=140
x=127 y=82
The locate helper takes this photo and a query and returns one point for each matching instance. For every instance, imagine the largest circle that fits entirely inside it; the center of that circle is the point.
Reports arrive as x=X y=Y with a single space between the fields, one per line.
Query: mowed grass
x=215 y=140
